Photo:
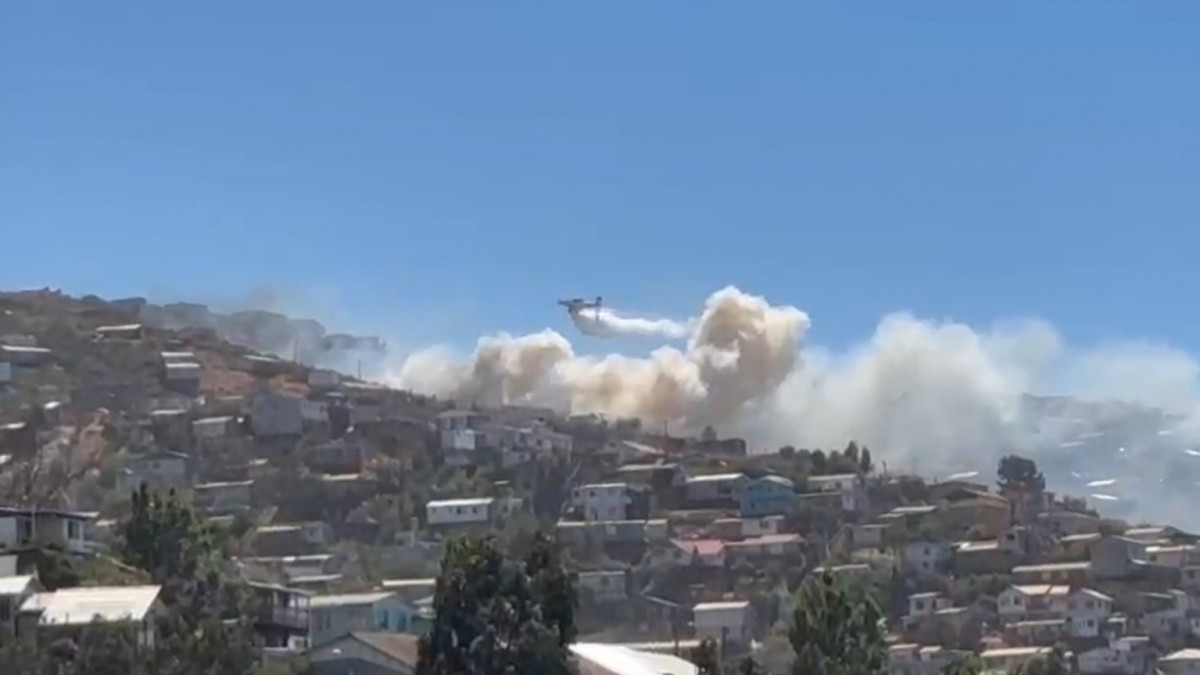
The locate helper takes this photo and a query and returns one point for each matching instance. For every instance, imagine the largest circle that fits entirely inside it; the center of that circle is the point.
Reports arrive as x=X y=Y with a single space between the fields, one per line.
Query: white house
x=602 y=501
x=848 y=485
x=927 y=604
x=75 y=608
x=1025 y=603
x=726 y=622
x=161 y=470
x=13 y=592
x=1087 y=611
x=470 y=511
x=722 y=487
x=224 y=496
x=926 y=558
x=23 y=526
x=1008 y=659
x=1182 y=662
x=276 y=414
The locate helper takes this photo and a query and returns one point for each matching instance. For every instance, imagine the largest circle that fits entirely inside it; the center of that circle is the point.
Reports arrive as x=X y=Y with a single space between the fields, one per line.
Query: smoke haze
x=930 y=396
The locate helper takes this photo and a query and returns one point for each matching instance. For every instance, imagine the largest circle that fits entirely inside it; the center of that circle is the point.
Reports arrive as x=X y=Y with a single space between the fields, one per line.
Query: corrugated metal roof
x=108 y=604
x=347 y=599
x=600 y=659
x=15 y=585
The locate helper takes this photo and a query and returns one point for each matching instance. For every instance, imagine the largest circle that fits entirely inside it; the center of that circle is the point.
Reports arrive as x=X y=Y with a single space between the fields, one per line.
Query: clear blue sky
x=440 y=169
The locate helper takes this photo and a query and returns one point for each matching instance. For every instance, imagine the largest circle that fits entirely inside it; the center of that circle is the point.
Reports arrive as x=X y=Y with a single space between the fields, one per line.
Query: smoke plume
x=930 y=396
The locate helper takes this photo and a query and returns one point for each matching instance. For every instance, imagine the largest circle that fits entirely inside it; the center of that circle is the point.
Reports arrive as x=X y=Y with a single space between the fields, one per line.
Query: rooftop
x=347 y=599
x=722 y=605
x=715 y=477
x=78 y=606
x=471 y=501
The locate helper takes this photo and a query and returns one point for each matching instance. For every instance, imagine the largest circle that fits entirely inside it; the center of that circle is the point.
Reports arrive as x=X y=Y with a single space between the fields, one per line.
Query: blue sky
x=438 y=170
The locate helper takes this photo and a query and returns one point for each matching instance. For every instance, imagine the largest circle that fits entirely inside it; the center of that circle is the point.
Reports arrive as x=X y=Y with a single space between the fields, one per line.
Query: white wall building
x=602 y=501
x=470 y=511
x=725 y=622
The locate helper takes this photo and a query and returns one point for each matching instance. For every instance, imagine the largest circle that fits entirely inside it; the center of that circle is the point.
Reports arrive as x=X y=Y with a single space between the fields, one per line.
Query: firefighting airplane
x=576 y=305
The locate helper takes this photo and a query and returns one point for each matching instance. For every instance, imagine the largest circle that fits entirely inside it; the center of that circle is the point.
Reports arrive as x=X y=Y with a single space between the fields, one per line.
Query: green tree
x=495 y=615
x=836 y=631
x=851 y=452
x=166 y=538
x=1054 y=663
x=1021 y=473
x=864 y=461
x=749 y=666
x=966 y=666
x=707 y=657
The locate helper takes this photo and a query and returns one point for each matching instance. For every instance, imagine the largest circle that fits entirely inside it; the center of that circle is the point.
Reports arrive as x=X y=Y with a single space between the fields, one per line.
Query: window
x=919 y=604
x=383 y=620
x=74 y=530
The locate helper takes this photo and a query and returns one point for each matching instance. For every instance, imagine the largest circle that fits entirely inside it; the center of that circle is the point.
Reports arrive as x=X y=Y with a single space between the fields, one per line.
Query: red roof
x=703 y=547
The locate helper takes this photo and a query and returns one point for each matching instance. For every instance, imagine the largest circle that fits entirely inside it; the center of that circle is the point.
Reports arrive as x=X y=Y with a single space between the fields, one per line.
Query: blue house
x=768 y=496
x=336 y=615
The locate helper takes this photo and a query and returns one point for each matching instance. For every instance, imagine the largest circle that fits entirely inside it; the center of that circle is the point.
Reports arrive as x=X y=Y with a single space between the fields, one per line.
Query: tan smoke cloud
x=741 y=350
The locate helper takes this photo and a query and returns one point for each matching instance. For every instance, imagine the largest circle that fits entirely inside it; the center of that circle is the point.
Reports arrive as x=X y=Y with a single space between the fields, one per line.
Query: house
x=472 y=511
x=323 y=378
x=926 y=604
x=1078 y=546
x=410 y=589
x=305 y=566
x=159 y=471
x=265 y=366
x=292 y=539
x=1087 y=611
x=913 y=659
x=848 y=485
x=766 y=546
x=336 y=615
x=225 y=496
x=1007 y=659
x=926 y=558
x=702 y=552
x=604 y=586
x=132 y=331
x=983 y=557
x=1180 y=555
x=14 y=590
x=742 y=528
x=1067 y=523
x=612 y=501
x=68 y=610
x=462 y=434
x=722 y=489
x=281 y=620
x=1182 y=662
x=24 y=356
x=620 y=538
x=729 y=623
x=1032 y=602
x=608 y=659
x=182 y=376
x=1036 y=633
x=767 y=496
x=986 y=513
x=274 y=414
x=1116 y=557
x=1071 y=573
x=220 y=426
x=1130 y=654
x=366 y=654
x=20 y=527
x=869 y=535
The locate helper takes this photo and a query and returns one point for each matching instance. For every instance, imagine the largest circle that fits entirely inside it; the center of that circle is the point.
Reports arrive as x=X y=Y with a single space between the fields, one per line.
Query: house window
x=383 y=620
x=919 y=604
x=74 y=530
x=25 y=529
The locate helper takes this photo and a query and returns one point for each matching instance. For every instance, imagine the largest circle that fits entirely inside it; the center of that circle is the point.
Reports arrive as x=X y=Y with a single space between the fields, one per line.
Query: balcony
x=287 y=617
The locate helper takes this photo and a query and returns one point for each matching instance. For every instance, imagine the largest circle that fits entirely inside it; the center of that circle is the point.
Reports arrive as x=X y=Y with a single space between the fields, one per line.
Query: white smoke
x=934 y=396
x=606 y=323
